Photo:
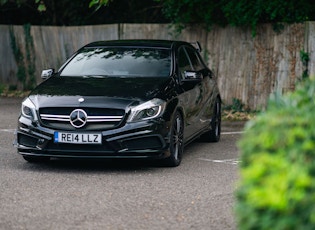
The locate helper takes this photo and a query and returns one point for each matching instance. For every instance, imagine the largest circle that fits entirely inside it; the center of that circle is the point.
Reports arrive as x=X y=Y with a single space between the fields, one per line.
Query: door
x=191 y=97
x=207 y=97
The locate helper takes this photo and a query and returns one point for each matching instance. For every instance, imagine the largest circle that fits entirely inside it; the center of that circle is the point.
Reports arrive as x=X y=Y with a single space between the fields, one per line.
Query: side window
x=195 y=60
x=183 y=62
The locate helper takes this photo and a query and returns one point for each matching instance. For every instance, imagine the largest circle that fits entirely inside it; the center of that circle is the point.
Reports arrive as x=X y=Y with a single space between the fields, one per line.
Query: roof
x=138 y=42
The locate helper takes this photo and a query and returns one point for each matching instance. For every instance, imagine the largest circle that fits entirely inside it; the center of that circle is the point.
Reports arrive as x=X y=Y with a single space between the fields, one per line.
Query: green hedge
x=277 y=184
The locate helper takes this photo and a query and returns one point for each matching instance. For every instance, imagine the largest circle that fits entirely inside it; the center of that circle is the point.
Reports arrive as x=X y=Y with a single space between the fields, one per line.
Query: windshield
x=118 y=61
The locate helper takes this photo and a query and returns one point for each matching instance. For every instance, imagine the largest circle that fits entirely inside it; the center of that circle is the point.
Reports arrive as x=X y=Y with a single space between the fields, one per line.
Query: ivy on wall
x=24 y=57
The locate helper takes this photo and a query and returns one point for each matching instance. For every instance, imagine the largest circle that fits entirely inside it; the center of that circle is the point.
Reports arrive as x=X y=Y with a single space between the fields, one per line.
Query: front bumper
x=145 y=139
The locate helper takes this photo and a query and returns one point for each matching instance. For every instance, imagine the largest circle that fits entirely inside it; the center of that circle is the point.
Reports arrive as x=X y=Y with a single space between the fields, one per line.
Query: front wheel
x=176 y=141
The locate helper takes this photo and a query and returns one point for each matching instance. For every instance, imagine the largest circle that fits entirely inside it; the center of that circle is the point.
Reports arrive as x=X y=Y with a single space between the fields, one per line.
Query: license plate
x=78 y=138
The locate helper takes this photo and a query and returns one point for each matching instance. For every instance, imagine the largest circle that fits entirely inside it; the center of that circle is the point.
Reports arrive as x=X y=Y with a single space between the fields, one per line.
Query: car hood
x=110 y=92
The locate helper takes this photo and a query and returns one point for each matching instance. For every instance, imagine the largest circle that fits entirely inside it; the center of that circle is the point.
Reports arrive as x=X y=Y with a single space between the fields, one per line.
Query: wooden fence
x=248 y=68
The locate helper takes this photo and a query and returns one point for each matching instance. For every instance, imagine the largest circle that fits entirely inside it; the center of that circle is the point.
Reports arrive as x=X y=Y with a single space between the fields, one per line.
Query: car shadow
x=94 y=165
x=107 y=165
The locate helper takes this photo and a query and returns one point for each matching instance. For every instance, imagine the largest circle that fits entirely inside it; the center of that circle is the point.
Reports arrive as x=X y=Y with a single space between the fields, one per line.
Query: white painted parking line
x=231 y=133
x=7 y=130
x=225 y=161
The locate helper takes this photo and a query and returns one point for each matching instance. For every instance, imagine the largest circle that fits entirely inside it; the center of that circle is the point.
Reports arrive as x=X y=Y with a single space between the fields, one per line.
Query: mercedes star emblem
x=78 y=118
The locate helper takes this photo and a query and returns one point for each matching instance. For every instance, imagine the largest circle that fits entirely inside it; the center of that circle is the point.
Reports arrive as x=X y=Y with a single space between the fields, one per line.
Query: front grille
x=105 y=147
x=97 y=118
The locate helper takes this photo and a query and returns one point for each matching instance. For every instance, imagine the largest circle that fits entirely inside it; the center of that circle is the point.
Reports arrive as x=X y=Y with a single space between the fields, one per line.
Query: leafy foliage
x=40 y=3
x=237 y=12
x=19 y=58
x=250 y=13
x=185 y=12
x=99 y=3
x=84 y=12
x=305 y=58
x=26 y=66
x=276 y=190
x=179 y=12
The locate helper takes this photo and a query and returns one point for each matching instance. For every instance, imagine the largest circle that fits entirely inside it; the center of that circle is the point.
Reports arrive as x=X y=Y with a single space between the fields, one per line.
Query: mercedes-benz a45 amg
x=122 y=99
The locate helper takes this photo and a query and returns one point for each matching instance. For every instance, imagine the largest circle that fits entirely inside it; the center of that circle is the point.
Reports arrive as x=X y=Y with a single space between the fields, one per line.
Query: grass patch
x=236 y=112
x=11 y=91
x=231 y=115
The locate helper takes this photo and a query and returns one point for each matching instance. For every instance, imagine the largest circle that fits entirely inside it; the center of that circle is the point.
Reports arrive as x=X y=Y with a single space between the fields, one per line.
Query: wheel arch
x=173 y=107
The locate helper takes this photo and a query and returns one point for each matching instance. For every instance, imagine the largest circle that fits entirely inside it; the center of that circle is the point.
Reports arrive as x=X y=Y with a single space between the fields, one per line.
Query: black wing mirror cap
x=47 y=73
x=192 y=76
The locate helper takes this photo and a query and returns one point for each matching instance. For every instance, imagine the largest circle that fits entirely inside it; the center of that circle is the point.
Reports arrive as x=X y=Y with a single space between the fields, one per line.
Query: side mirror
x=47 y=73
x=192 y=76
x=197 y=46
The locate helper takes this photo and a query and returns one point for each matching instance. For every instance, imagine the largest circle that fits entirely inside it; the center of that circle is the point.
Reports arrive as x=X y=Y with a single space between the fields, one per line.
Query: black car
x=122 y=99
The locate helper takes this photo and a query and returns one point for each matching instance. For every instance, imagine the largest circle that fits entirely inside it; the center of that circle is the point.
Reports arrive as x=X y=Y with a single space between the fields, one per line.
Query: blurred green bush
x=277 y=184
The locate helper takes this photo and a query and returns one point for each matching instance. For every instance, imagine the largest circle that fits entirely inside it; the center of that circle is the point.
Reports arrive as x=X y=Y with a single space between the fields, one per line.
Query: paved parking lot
x=67 y=194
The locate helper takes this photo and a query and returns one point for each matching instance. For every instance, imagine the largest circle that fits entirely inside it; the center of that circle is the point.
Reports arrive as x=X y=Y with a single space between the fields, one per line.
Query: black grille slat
x=89 y=111
x=97 y=118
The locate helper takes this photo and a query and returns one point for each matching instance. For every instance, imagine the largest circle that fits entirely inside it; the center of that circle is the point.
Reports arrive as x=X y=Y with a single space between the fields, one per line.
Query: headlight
x=28 y=109
x=147 y=110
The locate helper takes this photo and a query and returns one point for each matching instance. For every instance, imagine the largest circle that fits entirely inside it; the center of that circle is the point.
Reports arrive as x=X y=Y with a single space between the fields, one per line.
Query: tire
x=35 y=159
x=176 y=141
x=215 y=133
